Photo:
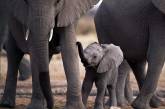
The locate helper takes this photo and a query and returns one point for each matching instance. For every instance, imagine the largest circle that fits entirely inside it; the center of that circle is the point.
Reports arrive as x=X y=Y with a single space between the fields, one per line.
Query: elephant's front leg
x=101 y=87
x=14 y=56
x=70 y=60
x=112 y=95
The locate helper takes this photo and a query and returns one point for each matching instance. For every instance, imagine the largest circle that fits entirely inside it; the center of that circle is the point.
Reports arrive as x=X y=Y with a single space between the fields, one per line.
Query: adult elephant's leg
x=128 y=90
x=139 y=71
x=155 y=58
x=124 y=69
x=69 y=53
x=14 y=56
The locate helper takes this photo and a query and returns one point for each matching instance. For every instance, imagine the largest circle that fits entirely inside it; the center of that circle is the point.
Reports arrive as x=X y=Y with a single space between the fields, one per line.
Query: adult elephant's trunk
x=39 y=39
x=40 y=23
x=40 y=59
x=81 y=53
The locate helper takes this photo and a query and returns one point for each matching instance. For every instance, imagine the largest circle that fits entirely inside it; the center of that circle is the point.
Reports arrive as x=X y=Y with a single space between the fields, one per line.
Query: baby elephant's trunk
x=81 y=53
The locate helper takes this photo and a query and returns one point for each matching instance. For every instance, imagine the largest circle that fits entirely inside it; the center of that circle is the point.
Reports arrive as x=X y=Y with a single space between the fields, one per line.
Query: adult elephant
x=137 y=26
x=31 y=26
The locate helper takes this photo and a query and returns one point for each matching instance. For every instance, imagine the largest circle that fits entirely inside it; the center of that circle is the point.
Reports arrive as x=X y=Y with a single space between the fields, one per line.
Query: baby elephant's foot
x=113 y=107
x=7 y=103
x=37 y=104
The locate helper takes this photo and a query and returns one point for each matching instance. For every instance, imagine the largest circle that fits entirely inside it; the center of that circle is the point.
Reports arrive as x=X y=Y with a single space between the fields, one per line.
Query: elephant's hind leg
x=14 y=55
x=155 y=58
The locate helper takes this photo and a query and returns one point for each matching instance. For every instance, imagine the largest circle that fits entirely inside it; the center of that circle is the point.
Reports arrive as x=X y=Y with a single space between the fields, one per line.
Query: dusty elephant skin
x=137 y=26
x=31 y=28
x=101 y=63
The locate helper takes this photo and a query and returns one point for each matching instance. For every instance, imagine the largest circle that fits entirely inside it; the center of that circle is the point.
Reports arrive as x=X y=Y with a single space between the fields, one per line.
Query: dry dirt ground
x=57 y=74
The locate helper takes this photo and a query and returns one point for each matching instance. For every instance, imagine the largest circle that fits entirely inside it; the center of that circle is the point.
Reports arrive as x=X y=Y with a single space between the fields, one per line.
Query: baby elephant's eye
x=94 y=57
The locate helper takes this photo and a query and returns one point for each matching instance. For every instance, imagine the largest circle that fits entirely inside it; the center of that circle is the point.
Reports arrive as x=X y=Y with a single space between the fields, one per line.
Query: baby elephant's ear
x=106 y=63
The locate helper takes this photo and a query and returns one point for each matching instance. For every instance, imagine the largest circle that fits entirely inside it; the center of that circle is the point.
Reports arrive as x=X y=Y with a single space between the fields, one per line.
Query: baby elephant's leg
x=87 y=86
x=101 y=87
x=112 y=95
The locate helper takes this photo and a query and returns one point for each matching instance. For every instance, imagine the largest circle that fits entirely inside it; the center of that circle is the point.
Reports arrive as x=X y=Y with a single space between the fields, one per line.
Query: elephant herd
x=42 y=28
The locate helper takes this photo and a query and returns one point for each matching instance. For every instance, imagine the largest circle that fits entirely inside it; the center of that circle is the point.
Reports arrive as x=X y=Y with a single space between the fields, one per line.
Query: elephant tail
x=81 y=54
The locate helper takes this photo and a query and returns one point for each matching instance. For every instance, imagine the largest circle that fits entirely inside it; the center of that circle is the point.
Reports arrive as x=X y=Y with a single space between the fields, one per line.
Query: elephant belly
x=129 y=30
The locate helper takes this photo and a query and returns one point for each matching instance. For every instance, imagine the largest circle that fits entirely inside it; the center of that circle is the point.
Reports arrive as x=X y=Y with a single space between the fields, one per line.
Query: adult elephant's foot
x=37 y=104
x=141 y=103
x=156 y=102
x=74 y=105
x=7 y=102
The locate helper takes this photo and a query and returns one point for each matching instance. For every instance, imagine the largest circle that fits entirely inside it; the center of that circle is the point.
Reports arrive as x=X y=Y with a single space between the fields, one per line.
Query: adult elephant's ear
x=72 y=11
x=160 y=4
x=19 y=9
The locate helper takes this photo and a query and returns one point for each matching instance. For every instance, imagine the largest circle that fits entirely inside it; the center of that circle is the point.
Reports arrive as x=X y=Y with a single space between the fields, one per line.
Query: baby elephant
x=101 y=63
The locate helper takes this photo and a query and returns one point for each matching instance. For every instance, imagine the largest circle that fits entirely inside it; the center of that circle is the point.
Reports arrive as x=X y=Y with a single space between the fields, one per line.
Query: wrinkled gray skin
x=137 y=26
x=34 y=20
x=24 y=69
x=102 y=69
